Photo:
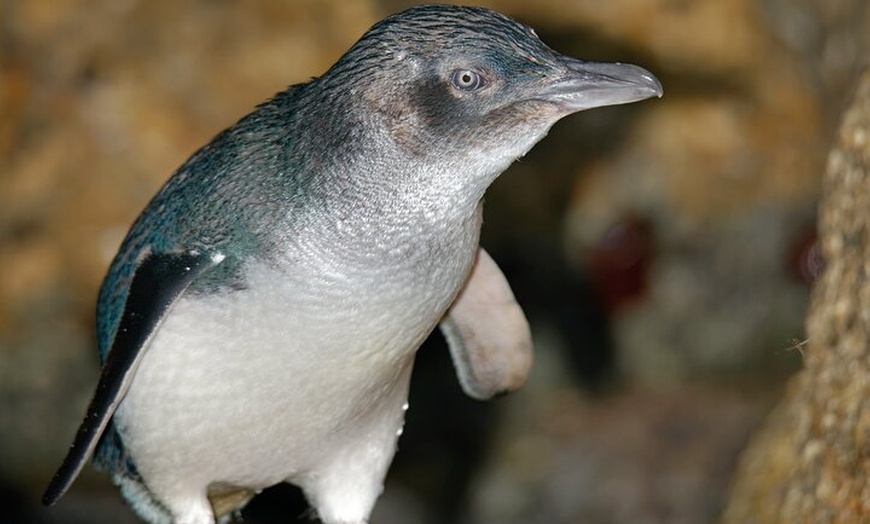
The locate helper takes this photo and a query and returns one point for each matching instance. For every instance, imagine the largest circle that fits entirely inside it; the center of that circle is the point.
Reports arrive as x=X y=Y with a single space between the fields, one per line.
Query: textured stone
x=811 y=461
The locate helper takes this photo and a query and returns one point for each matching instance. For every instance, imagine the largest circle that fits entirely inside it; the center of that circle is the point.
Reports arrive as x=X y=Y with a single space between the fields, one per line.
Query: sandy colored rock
x=811 y=461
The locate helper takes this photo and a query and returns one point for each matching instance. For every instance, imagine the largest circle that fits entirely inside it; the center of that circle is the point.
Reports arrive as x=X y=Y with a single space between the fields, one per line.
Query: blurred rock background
x=663 y=250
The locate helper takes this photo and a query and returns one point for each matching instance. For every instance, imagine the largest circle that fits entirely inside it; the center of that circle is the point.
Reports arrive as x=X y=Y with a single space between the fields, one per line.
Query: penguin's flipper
x=488 y=334
x=158 y=281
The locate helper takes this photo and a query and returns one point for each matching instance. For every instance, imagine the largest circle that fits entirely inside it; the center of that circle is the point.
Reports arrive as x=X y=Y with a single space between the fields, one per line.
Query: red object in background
x=805 y=262
x=619 y=263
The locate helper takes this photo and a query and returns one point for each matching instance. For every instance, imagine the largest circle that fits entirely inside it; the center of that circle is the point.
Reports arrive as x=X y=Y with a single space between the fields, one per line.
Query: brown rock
x=811 y=461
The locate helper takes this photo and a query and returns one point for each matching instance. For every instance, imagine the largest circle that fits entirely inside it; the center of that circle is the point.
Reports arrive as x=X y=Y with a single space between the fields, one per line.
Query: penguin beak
x=585 y=85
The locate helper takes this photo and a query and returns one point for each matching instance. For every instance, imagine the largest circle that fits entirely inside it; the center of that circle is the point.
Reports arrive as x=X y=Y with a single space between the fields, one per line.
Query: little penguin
x=260 y=319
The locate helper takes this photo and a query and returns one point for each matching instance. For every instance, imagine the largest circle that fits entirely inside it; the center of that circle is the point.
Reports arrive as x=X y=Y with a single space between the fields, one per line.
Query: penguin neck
x=363 y=156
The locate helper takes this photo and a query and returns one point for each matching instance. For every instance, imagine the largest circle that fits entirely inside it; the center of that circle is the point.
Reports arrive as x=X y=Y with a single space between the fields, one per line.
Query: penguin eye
x=467 y=80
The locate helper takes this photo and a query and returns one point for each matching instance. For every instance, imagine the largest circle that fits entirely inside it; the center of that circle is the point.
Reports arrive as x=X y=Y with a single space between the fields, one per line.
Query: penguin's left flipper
x=487 y=333
x=158 y=281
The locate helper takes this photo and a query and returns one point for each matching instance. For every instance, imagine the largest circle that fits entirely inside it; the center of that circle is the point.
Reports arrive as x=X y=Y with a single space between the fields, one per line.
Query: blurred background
x=664 y=251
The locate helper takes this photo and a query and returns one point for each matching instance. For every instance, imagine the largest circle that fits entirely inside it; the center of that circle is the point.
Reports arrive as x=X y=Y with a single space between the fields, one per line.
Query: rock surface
x=811 y=461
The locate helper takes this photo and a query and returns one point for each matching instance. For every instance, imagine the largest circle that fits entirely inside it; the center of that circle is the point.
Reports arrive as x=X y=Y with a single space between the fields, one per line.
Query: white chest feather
x=301 y=376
